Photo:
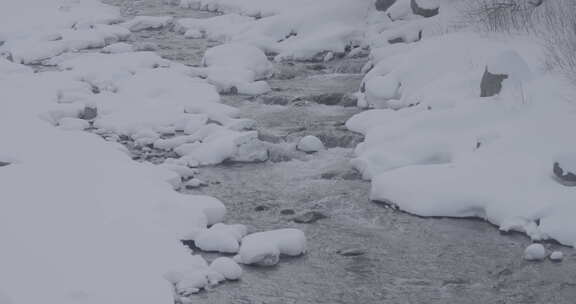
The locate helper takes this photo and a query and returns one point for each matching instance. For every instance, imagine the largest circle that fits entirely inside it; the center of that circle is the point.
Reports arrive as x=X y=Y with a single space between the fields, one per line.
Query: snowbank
x=265 y=248
x=434 y=147
x=80 y=221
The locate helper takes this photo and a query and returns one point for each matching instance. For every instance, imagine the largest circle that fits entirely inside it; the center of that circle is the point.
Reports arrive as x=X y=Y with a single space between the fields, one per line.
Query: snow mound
x=221 y=238
x=237 y=67
x=535 y=252
x=434 y=148
x=227 y=267
x=310 y=144
x=265 y=248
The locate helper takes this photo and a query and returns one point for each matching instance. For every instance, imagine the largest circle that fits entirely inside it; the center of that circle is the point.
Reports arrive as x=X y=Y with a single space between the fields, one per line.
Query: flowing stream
x=361 y=252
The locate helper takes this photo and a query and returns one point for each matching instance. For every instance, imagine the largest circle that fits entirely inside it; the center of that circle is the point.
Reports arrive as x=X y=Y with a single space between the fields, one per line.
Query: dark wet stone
x=344 y=139
x=262 y=208
x=417 y=10
x=329 y=175
x=329 y=99
x=309 y=217
x=504 y=272
x=89 y=113
x=4 y=164
x=351 y=175
x=396 y=40
x=287 y=211
x=276 y=99
x=351 y=252
x=383 y=5
x=316 y=67
x=491 y=84
x=564 y=175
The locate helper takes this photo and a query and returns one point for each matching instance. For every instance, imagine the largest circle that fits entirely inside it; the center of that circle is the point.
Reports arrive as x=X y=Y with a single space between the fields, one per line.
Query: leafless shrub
x=553 y=22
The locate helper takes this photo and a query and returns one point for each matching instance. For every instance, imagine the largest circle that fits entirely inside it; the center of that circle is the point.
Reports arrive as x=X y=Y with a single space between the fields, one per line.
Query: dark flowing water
x=397 y=258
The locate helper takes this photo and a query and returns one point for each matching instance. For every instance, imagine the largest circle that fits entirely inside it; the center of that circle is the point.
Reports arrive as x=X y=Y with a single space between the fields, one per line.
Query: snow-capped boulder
x=565 y=169
x=221 y=238
x=425 y=8
x=557 y=256
x=265 y=248
x=239 y=56
x=227 y=267
x=310 y=144
x=383 y=5
x=507 y=65
x=535 y=252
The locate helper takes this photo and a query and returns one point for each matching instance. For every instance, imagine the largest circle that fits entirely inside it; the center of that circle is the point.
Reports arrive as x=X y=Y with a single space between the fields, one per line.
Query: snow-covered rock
x=535 y=252
x=565 y=168
x=240 y=56
x=265 y=248
x=310 y=144
x=557 y=256
x=221 y=238
x=227 y=267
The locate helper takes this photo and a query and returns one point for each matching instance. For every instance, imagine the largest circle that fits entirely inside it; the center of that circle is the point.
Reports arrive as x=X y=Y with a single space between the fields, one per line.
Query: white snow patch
x=265 y=248
x=535 y=252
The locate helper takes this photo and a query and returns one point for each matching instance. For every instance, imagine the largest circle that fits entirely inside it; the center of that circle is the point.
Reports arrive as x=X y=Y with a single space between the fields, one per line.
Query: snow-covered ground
x=434 y=147
x=81 y=222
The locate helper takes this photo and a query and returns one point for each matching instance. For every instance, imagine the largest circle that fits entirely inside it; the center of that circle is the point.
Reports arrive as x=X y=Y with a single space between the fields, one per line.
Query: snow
x=237 y=66
x=221 y=238
x=510 y=63
x=299 y=30
x=227 y=267
x=557 y=256
x=310 y=144
x=535 y=252
x=73 y=124
x=265 y=248
x=567 y=161
x=120 y=47
x=111 y=227
x=434 y=148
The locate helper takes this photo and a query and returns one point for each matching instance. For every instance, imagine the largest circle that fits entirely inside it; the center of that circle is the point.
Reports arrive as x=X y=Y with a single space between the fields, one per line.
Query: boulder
x=425 y=9
x=383 y=5
x=565 y=171
x=309 y=217
x=310 y=144
x=491 y=84
x=507 y=65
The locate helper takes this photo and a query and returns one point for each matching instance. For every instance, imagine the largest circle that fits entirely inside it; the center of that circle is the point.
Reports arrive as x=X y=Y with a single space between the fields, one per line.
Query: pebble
x=349 y=252
x=309 y=217
x=287 y=212
x=261 y=208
